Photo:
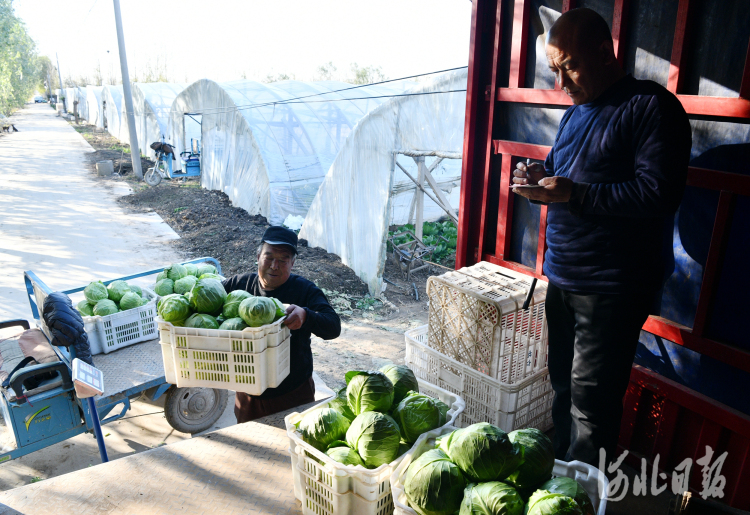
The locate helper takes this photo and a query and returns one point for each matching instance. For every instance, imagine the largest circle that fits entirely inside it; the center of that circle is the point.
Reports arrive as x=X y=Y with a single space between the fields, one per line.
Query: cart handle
x=13 y=323
x=16 y=381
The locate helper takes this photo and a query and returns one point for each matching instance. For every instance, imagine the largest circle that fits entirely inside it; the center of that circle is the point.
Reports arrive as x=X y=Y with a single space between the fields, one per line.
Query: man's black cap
x=279 y=235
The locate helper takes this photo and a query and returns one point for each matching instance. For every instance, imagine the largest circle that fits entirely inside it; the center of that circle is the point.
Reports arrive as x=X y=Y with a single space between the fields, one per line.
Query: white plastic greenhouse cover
x=83 y=111
x=272 y=157
x=151 y=104
x=112 y=95
x=71 y=94
x=364 y=192
x=94 y=105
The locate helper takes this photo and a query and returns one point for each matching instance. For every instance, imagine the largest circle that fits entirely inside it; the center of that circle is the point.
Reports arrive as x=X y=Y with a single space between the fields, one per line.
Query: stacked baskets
x=481 y=344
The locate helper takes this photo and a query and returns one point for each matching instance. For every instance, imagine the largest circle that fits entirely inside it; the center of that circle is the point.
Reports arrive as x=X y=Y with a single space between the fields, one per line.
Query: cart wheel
x=192 y=410
x=152 y=177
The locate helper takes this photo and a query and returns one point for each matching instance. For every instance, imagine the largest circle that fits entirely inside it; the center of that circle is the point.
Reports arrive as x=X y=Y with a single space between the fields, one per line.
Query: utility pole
x=135 y=153
x=59 y=76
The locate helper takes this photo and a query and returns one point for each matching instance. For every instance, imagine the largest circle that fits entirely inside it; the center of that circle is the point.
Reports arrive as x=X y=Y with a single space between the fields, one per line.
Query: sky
x=226 y=40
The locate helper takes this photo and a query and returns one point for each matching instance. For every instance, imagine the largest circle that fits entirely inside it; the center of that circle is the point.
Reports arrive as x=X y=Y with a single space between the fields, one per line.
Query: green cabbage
x=130 y=300
x=117 y=289
x=85 y=308
x=173 y=307
x=571 y=488
x=434 y=485
x=200 y=320
x=95 y=292
x=161 y=275
x=493 y=498
x=232 y=303
x=257 y=311
x=321 y=427
x=207 y=296
x=375 y=437
x=345 y=455
x=164 y=287
x=340 y=404
x=144 y=301
x=403 y=380
x=211 y=276
x=368 y=391
x=538 y=458
x=482 y=451
x=233 y=324
x=280 y=309
x=546 y=503
x=444 y=409
x=205 y=268
x=185 y=284
x=416 y=414
x=105 y=307
x=191 y=269
x=136 y=289
x=176 y=271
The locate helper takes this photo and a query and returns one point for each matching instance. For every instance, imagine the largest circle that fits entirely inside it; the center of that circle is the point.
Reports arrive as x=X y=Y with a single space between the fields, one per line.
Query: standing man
x=613 y=179
x=308 y=313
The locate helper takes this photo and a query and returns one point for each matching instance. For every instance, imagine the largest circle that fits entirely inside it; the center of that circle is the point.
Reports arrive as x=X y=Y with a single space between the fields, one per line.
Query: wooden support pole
x=420 y=197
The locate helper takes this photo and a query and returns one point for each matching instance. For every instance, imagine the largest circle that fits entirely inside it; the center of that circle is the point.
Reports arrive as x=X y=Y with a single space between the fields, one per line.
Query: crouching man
x=308 y=313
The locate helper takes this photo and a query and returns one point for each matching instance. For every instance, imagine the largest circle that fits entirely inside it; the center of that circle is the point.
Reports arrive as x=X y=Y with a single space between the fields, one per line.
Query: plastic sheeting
x=80 y=95
x=364 y=192
x=151 y=105
x=94 y=105
x=268 y=156
x=112 y=110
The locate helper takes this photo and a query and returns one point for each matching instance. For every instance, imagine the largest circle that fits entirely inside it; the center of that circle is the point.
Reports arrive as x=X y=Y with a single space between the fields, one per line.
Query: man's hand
x=555 y=189
x=295 y=317
x=528 y=174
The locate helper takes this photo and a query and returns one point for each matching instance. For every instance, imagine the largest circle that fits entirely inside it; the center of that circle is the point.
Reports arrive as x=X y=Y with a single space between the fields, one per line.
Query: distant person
x=308 y=313
x=613 y=179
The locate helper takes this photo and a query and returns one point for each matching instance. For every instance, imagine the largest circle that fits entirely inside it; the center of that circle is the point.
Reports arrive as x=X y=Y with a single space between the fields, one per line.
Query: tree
x=19 y=67
x=278 y=77
x=325 y=71
x=365 y=74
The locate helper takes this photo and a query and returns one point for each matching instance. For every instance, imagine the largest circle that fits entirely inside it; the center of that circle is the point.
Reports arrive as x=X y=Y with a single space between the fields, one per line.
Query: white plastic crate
x=327 y=487
x=249 y=372
x=527 y=403
x=476 y=317
x=250 y=339
x=591 y=478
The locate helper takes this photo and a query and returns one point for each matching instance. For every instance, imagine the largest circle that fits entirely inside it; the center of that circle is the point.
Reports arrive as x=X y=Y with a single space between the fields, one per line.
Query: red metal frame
x=479 y=148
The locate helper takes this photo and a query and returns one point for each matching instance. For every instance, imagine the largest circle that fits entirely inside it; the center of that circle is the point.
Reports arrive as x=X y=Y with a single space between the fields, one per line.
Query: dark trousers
x=592 y=343
x=248 y=407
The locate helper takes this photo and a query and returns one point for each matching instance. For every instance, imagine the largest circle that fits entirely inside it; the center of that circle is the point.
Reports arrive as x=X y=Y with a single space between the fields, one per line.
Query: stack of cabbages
x=481 y=470
x=375 y=419
x=192 y=300
x=107 y=300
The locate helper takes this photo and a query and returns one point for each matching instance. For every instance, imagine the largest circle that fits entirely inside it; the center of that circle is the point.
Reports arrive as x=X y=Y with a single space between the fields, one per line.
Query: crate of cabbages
x=344 y=450
x=233 y=341
x=467 y=470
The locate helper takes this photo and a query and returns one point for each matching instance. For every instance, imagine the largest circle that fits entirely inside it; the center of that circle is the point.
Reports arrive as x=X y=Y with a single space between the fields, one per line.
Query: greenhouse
x=112 y=111
x=269 y=146
x=367 y=188
x=151 y=104
x=94 y=105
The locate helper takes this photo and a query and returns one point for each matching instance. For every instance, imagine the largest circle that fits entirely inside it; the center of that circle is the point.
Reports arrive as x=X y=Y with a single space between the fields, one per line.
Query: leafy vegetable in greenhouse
x=375 y=436
x=201 y=320
x=571 y=488
x=185 y=284
x=434 y=485
x=341 y=404
x=416 y=414
x=256 y=311
x=173 y=307
x=233 y=324
x=232 y=303
x=368 y=391
x=321 y=427
x=95 y=292
x=207 y=296
x=176 y=271
x=85 y=308
x=482 y=451
x=130 y=300
x=538 y=458
x=546 y=503
x=403 y=380
x=164 y=287
x=492 y=498
x=105 y=307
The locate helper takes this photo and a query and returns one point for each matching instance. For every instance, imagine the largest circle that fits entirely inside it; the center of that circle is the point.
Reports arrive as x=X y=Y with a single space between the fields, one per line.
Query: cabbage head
x=232 y=303
x=345 y=455
x=144 y=301
x=130 y=300
x=542 y=502
x=340 y=404
x=538 y=459
x=161 y=275
x=211 y=276
x=323 y=426
x=199 y=320
x=571 y=488
x=116 y=290
x=434 y=485
x=207 y=296
x=280 y=310
x=256 y=311
x=205 y=268
x=164 y=287
x=173 y=307
x=368 y=391
x=95 y=292
x=403 y=379
x=85 y=308
x=375 y=437
x=233 y=324
x=191 y=269
x=185 y=284
x=105 y=307
x=416 y=414
x=176 y=271
x=136 y=289
x=493 y=498
x=483 y=452
x=444 y=409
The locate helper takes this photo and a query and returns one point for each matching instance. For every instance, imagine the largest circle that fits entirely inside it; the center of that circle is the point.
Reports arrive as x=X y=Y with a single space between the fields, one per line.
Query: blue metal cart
x=50 y=412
